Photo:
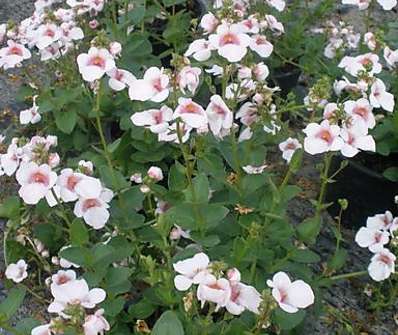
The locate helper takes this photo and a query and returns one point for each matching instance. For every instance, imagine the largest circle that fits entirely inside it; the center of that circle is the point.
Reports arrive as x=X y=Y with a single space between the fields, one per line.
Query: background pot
x=367 y=192
x=287 y=80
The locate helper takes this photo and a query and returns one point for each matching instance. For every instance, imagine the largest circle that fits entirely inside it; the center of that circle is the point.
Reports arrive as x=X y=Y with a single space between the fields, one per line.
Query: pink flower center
x=325 y=135
x=191 y=108
x=49 y=33
x=39 y=178
x=219 y=110
x=290 y=146
x=361 y=111
x=229 y=38
x=157 y=84
x=90 y=203
x=62 y=279
x=385 y=259
x=97 y=61
x=119 y=75
x=260 y=40
x=235 y=292
x=15 y=51
x=158 y=117
x=71 y=182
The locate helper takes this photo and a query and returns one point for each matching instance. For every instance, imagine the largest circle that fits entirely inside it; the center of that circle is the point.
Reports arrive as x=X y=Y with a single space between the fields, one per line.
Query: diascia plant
x=151 y=197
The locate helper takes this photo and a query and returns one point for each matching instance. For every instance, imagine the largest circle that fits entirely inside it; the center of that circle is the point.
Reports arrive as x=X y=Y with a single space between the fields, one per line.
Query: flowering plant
x=150 y=197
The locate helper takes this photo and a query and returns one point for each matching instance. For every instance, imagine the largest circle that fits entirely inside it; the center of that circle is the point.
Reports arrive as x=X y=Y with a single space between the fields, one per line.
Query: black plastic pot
x=287 y=81
x=368 y=193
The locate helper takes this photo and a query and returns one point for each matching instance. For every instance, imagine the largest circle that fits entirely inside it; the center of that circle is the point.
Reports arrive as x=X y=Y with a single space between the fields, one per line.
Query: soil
x=344 y=301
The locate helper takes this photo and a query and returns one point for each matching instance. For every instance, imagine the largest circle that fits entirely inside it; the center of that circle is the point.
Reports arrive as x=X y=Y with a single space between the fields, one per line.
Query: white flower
x=157 y=120
x=230 y=42
x=120 y=79
x=260 y=71
x=30 y=115
x=260 y=44
x=46 y=34
x=17 y=272
x=274 y=24
x=95 y=324
x=75 y=292
x=115 y=48
x=36 y=181
x=191 y=113
x=42 y=330
x=371 y=238
x=171 y=134
x=155 y=173
x=94 y=64
x=356 y=138
x=200 y=50
x=360 y=110
x=13 y=55
x=290 y=295
x=322 y=138
x=62 y=277
x=67 y=181
x=370 y=40
x=289 y=147
x=368 y=63
x=387 y=4
x=191 y=271
x=379 y=97
x=219 y=116
x=154 y=86
x=242 y=296
x=390 y=56
x=189 y=78
x=10 y=160
x=93 y=202
x=277 y=4
x=250 y=169
x=362 y=4
x=381 y=221
x=382 y=265
x=209 y=23
x=214 y=290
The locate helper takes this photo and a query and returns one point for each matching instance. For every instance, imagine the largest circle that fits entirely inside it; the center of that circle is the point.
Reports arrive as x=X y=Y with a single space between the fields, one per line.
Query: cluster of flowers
x=52 y=33
x=71 y=298
x=377 y=233
x=232 y=294
x=364 y=4
x=345 y=126
x=33 y=165
x=340 y=38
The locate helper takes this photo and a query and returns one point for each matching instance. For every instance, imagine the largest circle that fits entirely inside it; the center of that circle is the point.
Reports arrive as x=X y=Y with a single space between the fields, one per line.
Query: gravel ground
x=346 y=298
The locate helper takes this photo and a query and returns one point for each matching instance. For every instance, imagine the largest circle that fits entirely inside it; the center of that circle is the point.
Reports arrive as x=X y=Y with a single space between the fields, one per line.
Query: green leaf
x=66 y=120
x=10 y=207
x=201 y=190
x=391 y=174
x=26 y=325
x=287 y=321
x=305 y=256
x=113 y=306
x=338 y=260
x=169 y=3
x=10 y=305
x=168 y=324
x=78 y=233
x=78 y=255
x=48 y=234
x=177 y=180
x=309 y=229
x=142 y=310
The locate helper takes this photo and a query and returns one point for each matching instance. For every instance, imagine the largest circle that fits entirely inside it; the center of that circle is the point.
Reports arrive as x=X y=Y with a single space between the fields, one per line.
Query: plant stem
x=324 y=183
x=349 y=275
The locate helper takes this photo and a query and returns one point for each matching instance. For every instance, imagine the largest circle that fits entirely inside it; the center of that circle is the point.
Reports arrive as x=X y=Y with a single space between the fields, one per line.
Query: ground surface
x=346 y=300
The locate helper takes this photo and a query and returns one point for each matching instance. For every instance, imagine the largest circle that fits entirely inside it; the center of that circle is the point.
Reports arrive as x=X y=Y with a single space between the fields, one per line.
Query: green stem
x=349 y=275
x=324 y=183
